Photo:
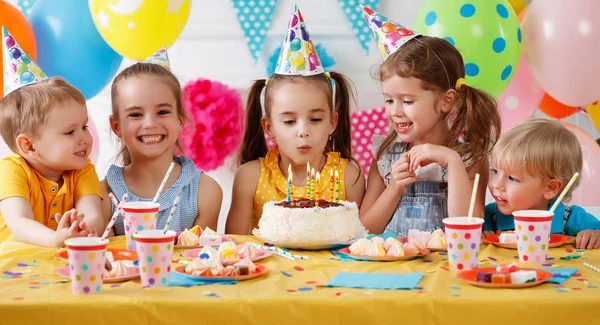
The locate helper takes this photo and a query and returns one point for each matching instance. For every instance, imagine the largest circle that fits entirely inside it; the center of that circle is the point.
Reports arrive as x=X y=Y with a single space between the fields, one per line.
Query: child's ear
x=553 y=188
x=114 y=125
x=25 y=147
x=267 y=126
x=448 y=100
x=334 y=122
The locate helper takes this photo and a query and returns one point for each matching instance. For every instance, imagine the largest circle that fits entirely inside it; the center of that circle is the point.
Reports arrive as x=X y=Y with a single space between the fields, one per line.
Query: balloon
x=486 y=33
x=518 y=5
x=586 y=194
x=295 y=44
x=297 y=58
x=520 y=99
x=96 y=144
x=593 y=111
x=553 y=108
x=17 y=25
x=561 y=43
x=70 y=46
x=138 y=28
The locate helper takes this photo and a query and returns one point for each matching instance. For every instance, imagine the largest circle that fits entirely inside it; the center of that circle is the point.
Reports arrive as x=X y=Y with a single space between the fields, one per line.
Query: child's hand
x=588 y=239
x=67 y=229
x=425 y=154
x=400 y=177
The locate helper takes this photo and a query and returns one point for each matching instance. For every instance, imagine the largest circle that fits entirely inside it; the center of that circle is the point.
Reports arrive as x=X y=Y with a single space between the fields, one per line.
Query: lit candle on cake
x=289 y=184
x=312 y=184
x=331 y=183
x=337 y=187
x=307 y=188
x=318 y=183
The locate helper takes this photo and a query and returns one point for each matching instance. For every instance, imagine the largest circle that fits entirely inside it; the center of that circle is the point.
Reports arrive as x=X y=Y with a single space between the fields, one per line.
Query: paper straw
x=280 y=252
x=164 y=181
x=564 y=192
x=113 y=199
x=172 y=213
x=111 y=223
x=473 y=196
x=595 y=268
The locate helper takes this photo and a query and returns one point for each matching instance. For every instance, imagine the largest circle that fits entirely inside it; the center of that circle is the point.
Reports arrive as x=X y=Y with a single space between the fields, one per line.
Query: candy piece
x=484 y=277
x=507 y=268
x=242 y=269
x=501 y=278
x=508 y=237
x=520 y=277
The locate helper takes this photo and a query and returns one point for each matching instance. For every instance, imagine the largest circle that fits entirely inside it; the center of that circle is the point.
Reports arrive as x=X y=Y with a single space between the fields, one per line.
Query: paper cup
x=138 y=216
x=86 y=263
x=463 y=237
x=155 y=250
x=533 y=234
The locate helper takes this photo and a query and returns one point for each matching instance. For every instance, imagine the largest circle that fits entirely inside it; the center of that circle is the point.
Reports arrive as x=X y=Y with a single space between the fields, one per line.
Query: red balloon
x=554 y=108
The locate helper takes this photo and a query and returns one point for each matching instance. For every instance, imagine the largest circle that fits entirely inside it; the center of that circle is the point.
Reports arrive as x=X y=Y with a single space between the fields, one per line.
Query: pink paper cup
x=155 y=250
x=463 y=237
x=86 y=263
x=533 y=234
x=138 y=216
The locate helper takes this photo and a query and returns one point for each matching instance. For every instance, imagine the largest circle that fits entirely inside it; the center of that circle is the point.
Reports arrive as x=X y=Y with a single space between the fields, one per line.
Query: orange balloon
x=522 y=14
x=556 y=109
x=17 y=25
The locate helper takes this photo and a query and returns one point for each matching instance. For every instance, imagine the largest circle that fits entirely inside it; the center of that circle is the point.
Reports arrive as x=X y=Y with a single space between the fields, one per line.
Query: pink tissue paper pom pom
x=217 y=115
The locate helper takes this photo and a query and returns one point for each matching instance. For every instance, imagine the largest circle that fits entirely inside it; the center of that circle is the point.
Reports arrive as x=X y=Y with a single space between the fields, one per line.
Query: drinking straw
x=172 y=213
x=115 y=214
x=564 y=192
x=164 y=181
x=473 y=195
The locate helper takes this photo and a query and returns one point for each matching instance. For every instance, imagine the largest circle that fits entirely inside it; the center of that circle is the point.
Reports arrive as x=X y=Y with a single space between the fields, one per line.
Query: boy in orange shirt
x=50 y=190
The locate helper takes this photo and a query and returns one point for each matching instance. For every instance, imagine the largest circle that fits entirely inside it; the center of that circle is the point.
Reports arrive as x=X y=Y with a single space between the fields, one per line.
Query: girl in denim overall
x=442 y=132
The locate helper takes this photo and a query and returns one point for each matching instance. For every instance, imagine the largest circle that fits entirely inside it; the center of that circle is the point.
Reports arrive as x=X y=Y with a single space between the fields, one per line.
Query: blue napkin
x=180 y=280
x=376 y=280
x=560 y=275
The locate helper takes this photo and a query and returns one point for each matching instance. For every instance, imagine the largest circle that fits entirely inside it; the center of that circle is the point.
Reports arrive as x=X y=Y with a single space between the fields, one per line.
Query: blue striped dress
x=186 y=186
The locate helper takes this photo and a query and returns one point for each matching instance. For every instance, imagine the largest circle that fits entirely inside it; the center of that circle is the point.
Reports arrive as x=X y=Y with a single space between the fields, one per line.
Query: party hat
x=160 y=58
x=19 y=69
x=298 y=55
x=388 y=34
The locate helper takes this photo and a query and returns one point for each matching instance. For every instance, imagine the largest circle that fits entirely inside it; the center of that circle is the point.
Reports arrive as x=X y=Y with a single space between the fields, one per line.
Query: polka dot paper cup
x=138 y=216
x=155 y=250
x=463 y=238
x=533 y=234
x=86 y=263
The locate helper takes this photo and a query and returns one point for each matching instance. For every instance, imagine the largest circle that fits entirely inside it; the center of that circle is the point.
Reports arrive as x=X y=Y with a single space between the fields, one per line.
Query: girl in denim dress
x=442 y=132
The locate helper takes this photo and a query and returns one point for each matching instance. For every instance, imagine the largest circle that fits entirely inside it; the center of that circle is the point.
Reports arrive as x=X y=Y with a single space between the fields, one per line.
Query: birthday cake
x=305 y=224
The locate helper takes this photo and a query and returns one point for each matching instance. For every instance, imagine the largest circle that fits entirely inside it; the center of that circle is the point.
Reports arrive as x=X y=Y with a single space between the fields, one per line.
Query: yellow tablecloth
x=38 y=298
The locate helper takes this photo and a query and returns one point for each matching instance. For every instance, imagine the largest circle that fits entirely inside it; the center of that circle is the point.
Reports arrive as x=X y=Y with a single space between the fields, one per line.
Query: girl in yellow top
x=307 y=112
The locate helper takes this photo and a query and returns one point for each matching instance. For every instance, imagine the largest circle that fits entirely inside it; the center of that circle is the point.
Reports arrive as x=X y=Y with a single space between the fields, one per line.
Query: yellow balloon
x=518 y=5
x=137 y=28
x=297 y=58
x=593 y=111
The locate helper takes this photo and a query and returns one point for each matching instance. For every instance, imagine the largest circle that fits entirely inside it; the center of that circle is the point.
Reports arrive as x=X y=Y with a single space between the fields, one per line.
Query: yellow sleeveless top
x=272 y=185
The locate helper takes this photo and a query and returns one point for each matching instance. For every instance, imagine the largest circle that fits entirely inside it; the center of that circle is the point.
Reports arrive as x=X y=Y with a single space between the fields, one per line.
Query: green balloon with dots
x=486 y=32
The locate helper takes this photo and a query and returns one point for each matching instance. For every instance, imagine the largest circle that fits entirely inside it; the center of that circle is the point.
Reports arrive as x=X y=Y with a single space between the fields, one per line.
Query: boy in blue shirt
x=530 y=166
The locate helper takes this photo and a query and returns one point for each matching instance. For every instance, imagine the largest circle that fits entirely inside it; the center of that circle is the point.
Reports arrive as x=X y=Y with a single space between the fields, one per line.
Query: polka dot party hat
x=388 y=34
x=19 y=69
x=298 y=55
x=160 y=57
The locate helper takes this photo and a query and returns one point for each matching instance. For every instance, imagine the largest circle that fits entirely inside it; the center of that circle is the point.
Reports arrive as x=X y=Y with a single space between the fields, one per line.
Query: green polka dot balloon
x=486 y=32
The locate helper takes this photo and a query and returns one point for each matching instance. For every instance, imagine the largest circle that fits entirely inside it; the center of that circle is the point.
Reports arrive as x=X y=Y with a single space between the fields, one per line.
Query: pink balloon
x=561 y=43
x=586 y=194
x=520 y=99
x=4 y=149
x=96 y=145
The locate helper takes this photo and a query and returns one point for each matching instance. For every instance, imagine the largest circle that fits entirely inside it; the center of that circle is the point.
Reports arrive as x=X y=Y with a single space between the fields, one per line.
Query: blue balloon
x=26 y=77
x=69 y=45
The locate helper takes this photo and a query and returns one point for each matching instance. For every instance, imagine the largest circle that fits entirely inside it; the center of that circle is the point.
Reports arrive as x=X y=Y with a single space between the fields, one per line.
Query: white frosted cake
x=307 y=226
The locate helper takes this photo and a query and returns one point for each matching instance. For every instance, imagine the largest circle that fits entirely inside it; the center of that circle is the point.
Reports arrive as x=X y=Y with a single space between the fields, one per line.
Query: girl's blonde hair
x=439 y=65
x=544 y=148
x=26 y=110
x=146 y=69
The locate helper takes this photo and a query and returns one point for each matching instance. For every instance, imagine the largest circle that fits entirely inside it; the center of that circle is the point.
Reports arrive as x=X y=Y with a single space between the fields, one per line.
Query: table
x=39 y=296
